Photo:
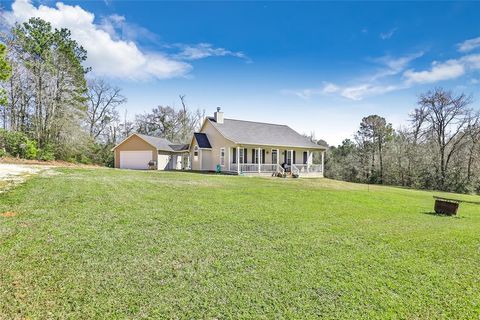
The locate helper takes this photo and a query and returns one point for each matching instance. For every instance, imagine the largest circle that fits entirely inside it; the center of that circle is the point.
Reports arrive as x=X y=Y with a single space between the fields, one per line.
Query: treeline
x=51 y=108
x=439 y=149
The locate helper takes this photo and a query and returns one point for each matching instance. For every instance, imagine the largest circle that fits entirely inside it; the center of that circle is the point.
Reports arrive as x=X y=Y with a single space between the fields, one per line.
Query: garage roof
x=161 y=144
x=180 y=147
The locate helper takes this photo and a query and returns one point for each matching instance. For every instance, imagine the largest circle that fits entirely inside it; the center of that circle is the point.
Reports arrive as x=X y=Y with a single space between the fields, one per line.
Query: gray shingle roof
x=258 y=133
x=180 y=147
x=202 y=140
x=163 y=144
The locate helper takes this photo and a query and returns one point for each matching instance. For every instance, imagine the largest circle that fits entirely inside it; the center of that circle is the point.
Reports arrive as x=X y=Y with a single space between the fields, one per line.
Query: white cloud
x=399 y=63
x=303 y=93
x=306 y=94
x=119 y=29
x=365 y=90
x=393 y=65
x=111 y=44
x=330 y=88
x=450 y=69
x=469 y=45
x=367 y=86
x=472 y=61
x=107 y=55
x=355 y=92
x=387 y=35
x=205 y=50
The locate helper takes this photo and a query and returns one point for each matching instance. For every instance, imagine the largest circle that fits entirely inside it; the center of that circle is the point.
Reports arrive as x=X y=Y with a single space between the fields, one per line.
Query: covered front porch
x=261 y=160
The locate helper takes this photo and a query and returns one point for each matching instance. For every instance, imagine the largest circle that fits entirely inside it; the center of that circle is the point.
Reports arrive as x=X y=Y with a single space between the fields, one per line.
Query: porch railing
x=294 y=169
x=280 y=169
x=255 y=167
x=315 y=168
x=273 y=167
x=312 y=168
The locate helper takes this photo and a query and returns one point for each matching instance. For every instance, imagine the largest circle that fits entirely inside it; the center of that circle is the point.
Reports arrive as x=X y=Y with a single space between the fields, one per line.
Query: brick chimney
x=218 y=116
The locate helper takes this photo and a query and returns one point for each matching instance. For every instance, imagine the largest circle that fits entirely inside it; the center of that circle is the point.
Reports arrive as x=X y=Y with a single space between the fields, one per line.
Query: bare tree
x=166 y=122
x=473 y=131
x=446 y=118
x=103 y=101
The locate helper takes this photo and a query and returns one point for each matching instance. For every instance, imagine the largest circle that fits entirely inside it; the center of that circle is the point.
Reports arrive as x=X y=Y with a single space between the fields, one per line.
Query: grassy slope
x=99 y=243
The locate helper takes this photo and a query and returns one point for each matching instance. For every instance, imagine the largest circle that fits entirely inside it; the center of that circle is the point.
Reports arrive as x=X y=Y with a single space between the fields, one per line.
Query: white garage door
x=135 y=159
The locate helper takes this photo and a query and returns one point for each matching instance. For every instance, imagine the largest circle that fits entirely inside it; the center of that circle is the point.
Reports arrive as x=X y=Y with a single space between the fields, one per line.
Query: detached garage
x=142 y=152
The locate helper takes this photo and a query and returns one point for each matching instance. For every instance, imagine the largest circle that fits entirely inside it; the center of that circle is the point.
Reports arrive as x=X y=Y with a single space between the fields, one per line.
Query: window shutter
x=285 y=156
x=305 y=157
x=253 y=156
x=294 y=153
x=263 y=155
x=245 y=155
x=234 y=155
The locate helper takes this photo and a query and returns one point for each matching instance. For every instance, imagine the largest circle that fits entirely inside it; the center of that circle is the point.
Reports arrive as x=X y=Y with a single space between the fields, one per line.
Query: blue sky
x=318 y=67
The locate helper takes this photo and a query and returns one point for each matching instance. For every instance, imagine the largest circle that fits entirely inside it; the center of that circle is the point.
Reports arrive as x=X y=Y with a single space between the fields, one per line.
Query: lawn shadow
x=441 y=215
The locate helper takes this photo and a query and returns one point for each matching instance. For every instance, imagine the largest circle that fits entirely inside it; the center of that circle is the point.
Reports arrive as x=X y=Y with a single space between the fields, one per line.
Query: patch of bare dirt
x=14 y=174
x=8 y=214
x=56 y=163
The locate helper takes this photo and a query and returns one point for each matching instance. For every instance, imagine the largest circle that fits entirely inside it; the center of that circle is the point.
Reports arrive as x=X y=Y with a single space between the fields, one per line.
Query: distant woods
x=50 y=108
x=438 y=149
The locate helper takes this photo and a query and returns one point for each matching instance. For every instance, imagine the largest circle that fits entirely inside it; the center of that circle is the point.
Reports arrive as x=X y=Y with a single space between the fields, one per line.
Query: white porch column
x=308 y=161
x=238 y=160
x=259 y=158
x=229 y=158
x=278 y=156
x=291 y=157
x=323 y=162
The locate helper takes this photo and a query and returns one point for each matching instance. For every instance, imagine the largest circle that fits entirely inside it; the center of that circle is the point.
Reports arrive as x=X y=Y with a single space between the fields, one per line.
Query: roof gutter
x=283 y=146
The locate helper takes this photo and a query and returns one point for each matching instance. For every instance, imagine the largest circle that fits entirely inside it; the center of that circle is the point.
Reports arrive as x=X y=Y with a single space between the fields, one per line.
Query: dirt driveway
x=11 y=174
x=8 y=171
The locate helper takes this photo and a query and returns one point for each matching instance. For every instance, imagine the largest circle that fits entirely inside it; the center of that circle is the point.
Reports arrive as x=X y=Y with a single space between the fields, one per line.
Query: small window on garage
x=222 y=156
x=195 y=152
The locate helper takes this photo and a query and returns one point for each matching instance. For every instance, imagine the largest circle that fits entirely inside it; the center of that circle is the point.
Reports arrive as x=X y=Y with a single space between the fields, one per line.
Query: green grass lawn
x=102 y=243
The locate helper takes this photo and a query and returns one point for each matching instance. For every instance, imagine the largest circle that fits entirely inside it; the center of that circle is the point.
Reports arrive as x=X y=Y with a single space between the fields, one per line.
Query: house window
x=257 y=157
x=305 y=157
x=195 y=152
x=274 y=156
x=242 y=155
x=222 y=156
x=289 y=156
